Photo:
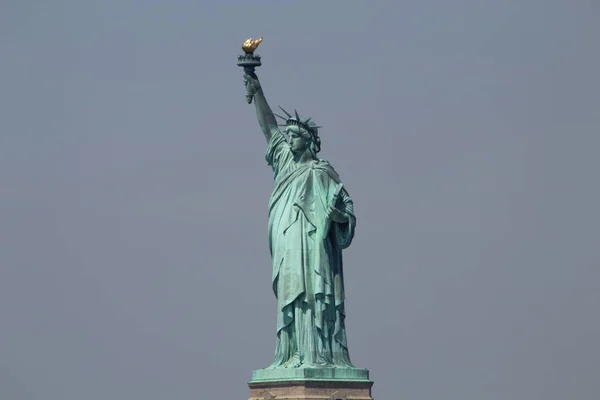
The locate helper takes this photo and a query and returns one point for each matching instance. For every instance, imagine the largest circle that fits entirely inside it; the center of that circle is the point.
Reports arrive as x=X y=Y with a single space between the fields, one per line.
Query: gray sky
x=133 y=193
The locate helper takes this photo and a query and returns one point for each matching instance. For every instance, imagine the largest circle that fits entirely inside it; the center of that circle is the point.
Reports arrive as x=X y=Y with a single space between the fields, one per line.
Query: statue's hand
x=252 y=84
x=336 y=215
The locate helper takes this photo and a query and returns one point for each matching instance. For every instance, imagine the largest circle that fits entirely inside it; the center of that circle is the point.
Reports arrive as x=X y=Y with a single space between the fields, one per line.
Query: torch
x=249 y=61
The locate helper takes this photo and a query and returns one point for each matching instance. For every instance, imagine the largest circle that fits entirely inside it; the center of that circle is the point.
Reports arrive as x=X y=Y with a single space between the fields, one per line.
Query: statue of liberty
x=311 y=220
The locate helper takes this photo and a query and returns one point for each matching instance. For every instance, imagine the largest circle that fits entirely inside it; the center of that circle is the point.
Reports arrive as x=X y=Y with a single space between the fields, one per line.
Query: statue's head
x=301 y=140
x=303 y=134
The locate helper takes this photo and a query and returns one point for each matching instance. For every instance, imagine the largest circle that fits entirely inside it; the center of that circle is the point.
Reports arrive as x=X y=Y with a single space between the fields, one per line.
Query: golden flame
x=250 y=45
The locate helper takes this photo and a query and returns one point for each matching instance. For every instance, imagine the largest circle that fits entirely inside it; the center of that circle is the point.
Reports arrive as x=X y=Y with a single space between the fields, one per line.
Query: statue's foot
x=320 y=362
x=310 y=365
x=323 y=363
x=293 y=362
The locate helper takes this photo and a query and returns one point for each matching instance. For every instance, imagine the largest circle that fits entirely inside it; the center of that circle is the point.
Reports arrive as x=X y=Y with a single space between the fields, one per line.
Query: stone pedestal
x=311 y=384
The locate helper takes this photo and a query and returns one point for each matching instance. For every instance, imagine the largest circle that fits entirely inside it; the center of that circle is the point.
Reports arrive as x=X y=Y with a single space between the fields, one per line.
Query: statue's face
x=298 y=144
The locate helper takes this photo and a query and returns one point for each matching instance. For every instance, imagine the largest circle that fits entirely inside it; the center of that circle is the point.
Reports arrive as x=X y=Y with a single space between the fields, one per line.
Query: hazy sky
x=134 y=260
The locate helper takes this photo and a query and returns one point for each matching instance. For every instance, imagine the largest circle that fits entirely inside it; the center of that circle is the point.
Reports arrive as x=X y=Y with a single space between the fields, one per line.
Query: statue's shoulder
x=325 y=167
x=323 y=163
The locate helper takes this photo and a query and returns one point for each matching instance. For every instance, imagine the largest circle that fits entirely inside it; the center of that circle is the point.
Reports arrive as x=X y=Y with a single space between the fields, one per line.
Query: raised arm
x=266 y=118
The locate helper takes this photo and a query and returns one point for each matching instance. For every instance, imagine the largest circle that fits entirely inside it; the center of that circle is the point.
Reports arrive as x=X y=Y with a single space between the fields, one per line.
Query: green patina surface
x=304 y=374
x=311 y=220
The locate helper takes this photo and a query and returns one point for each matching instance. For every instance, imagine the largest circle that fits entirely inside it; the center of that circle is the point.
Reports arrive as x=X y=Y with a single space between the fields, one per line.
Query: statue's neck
x=303 y=158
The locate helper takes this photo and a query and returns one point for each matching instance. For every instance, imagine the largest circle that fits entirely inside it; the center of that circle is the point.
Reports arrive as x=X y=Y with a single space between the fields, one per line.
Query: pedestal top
x=310 y=374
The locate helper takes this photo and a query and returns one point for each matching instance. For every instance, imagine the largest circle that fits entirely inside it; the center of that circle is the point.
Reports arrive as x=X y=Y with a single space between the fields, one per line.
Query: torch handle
x=249 y=94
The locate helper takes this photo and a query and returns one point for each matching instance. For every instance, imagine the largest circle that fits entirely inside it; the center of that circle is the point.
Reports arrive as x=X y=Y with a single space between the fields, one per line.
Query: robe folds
x=306 y=249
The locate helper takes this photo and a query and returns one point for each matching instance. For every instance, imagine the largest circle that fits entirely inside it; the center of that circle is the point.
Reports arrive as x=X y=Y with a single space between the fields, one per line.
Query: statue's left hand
x=336 y=215
x=252 y=84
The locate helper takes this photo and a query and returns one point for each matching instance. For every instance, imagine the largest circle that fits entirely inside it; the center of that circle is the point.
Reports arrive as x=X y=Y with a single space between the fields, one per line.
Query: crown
x=294 y=120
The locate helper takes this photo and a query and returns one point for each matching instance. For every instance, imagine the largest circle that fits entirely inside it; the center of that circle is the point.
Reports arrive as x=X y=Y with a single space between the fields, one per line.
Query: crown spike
x=285 y=112
x=297 y=116
x=279 y=116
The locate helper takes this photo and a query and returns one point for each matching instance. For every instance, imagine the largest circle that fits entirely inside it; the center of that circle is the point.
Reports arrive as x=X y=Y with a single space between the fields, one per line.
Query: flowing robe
x=306 y=250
